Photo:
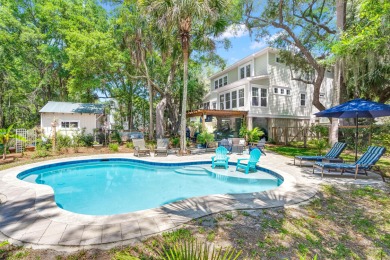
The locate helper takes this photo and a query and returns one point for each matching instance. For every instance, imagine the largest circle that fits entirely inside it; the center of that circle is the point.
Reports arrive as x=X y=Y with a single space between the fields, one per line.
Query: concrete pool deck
x=29 y=215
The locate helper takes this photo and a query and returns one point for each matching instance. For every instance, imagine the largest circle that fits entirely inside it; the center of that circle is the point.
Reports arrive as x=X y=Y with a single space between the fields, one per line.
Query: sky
x=242 y=45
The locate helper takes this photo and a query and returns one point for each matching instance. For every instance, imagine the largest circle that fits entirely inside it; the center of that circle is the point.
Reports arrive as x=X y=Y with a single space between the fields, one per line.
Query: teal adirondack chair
x=250 y=163
x=220 y=158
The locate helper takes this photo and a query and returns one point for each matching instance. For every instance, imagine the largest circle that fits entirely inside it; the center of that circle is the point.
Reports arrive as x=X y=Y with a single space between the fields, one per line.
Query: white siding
x=87 y=121
x=261 y=65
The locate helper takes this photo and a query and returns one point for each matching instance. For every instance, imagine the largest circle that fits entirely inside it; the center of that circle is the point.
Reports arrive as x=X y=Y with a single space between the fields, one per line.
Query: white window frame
x=214 y=105
x=235 y=99
x=278 y=91
x=222 y=101
x=227 y=102
x=300 y=99
x=260 y=97
x=245 y=70
x=220 y=81
x=70 y=121
x=255 y=96
x=241 y=98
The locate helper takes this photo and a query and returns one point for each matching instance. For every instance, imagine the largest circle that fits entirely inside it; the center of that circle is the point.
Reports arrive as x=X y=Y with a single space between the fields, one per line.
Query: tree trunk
x=339 y=85
x=183 y=121
x=151 y=126
x=160 y=108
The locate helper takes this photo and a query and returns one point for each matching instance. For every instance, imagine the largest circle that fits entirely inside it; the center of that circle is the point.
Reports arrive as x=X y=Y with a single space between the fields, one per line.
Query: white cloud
x=235 y=31
x=257 y=45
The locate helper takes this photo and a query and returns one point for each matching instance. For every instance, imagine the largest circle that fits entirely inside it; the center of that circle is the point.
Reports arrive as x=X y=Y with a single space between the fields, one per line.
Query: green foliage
x=63 y=141
x=205 y=138
x=115 y=136
x=175 y=142
x=364 y=49
x=196 y=250
x=113 y=147
x=177 y=235
x=319 y=144
x=5 y=136
x=130 y=145
x=123 y=255
x=243 y=130
x=254 y=134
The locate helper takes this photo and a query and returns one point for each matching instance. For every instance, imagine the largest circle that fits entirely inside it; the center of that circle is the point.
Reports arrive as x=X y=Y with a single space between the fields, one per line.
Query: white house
x=261 y=85
x=71 y=117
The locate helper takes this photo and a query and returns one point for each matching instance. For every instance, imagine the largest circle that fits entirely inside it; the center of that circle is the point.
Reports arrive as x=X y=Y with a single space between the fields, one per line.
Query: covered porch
x=225 y=123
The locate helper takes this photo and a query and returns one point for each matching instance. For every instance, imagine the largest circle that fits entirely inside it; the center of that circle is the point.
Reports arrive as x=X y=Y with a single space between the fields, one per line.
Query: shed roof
x=71 y=108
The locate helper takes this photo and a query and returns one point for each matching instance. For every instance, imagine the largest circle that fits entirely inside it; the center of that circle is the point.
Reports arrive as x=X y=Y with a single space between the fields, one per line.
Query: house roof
x=72 y=108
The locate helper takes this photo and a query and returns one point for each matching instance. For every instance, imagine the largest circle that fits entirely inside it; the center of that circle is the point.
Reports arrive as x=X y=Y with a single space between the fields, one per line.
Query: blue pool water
x=114 y=187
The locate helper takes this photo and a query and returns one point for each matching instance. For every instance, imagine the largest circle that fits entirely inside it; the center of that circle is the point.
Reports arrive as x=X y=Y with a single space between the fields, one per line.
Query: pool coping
x=30 y=214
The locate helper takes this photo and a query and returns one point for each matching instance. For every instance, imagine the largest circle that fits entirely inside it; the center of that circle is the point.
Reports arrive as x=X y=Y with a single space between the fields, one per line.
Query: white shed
x=71 y=117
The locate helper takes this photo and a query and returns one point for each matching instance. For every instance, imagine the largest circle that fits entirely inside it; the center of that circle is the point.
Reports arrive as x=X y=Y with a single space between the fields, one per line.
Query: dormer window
x=244 y=71
x=220 y=82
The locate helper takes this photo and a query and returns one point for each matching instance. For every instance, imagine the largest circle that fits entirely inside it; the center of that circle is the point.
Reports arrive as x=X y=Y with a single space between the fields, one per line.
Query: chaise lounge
x=162 y=147
x=139 y=148
x=333 y=153
x=365 y=162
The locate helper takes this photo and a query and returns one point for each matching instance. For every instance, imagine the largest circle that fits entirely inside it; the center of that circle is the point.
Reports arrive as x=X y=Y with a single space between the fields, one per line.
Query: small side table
x=333 y=160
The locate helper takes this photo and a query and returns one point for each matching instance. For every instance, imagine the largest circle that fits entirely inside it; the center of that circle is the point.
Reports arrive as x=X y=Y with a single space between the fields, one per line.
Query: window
x=255 y=96
x=282 y=91
x=259 y=100
x=234 y=99
x=242 y=73
x=225 y=80
x=220 y=82
x=214 y=105
x=248 y=70
x=241 y=98
x=227 y=101
x=263 y=102
x=206 y=105
x=245 y=71
x=303 y=99
x=221 y=102
x=69 y=124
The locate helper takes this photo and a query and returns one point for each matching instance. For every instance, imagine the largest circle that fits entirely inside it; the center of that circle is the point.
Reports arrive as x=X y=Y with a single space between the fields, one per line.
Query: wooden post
x=305 y=137
x=54 y=135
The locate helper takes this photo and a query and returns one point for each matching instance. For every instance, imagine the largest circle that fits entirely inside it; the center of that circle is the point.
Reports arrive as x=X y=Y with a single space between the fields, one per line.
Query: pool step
x=192 y=171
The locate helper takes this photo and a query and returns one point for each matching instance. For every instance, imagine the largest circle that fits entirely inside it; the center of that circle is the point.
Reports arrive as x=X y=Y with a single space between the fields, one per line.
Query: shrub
x=63 y=141
x=115 y=136
x=205 y=138
x=255 y=134
x=243 y=131
x=113 y=147
x=319 y=144
x=175 y=142
x=130 y=145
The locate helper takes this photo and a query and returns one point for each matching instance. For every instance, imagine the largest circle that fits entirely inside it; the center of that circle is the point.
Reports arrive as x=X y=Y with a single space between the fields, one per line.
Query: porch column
x=203 y=123
x=249 y=122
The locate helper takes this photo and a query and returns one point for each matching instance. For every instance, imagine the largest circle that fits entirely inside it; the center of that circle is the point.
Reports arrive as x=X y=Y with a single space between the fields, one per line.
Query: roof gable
x=71 y=108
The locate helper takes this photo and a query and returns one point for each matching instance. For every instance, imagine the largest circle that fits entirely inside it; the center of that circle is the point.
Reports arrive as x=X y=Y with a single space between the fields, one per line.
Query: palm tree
x=5 y=136
x=184 y=17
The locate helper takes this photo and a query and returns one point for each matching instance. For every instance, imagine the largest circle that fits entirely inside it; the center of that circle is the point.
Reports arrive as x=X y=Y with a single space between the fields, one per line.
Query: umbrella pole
x=356 y=136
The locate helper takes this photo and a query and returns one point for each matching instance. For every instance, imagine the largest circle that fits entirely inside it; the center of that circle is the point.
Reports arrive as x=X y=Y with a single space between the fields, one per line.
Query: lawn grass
x=347 y=155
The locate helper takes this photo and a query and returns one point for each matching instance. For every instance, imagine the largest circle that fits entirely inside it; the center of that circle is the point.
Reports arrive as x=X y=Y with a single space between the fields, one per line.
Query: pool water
x=114 y=187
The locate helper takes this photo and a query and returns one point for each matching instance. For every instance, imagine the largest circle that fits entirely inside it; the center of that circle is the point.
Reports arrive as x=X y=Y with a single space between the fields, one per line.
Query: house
x=261 y=84
x=71 y=117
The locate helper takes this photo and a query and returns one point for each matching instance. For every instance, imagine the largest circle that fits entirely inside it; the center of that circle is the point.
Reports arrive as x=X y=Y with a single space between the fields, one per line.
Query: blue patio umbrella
x=356 y=108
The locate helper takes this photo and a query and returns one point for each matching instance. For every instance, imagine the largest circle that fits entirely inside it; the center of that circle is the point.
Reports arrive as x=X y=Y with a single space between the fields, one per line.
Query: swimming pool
x=115 y=186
